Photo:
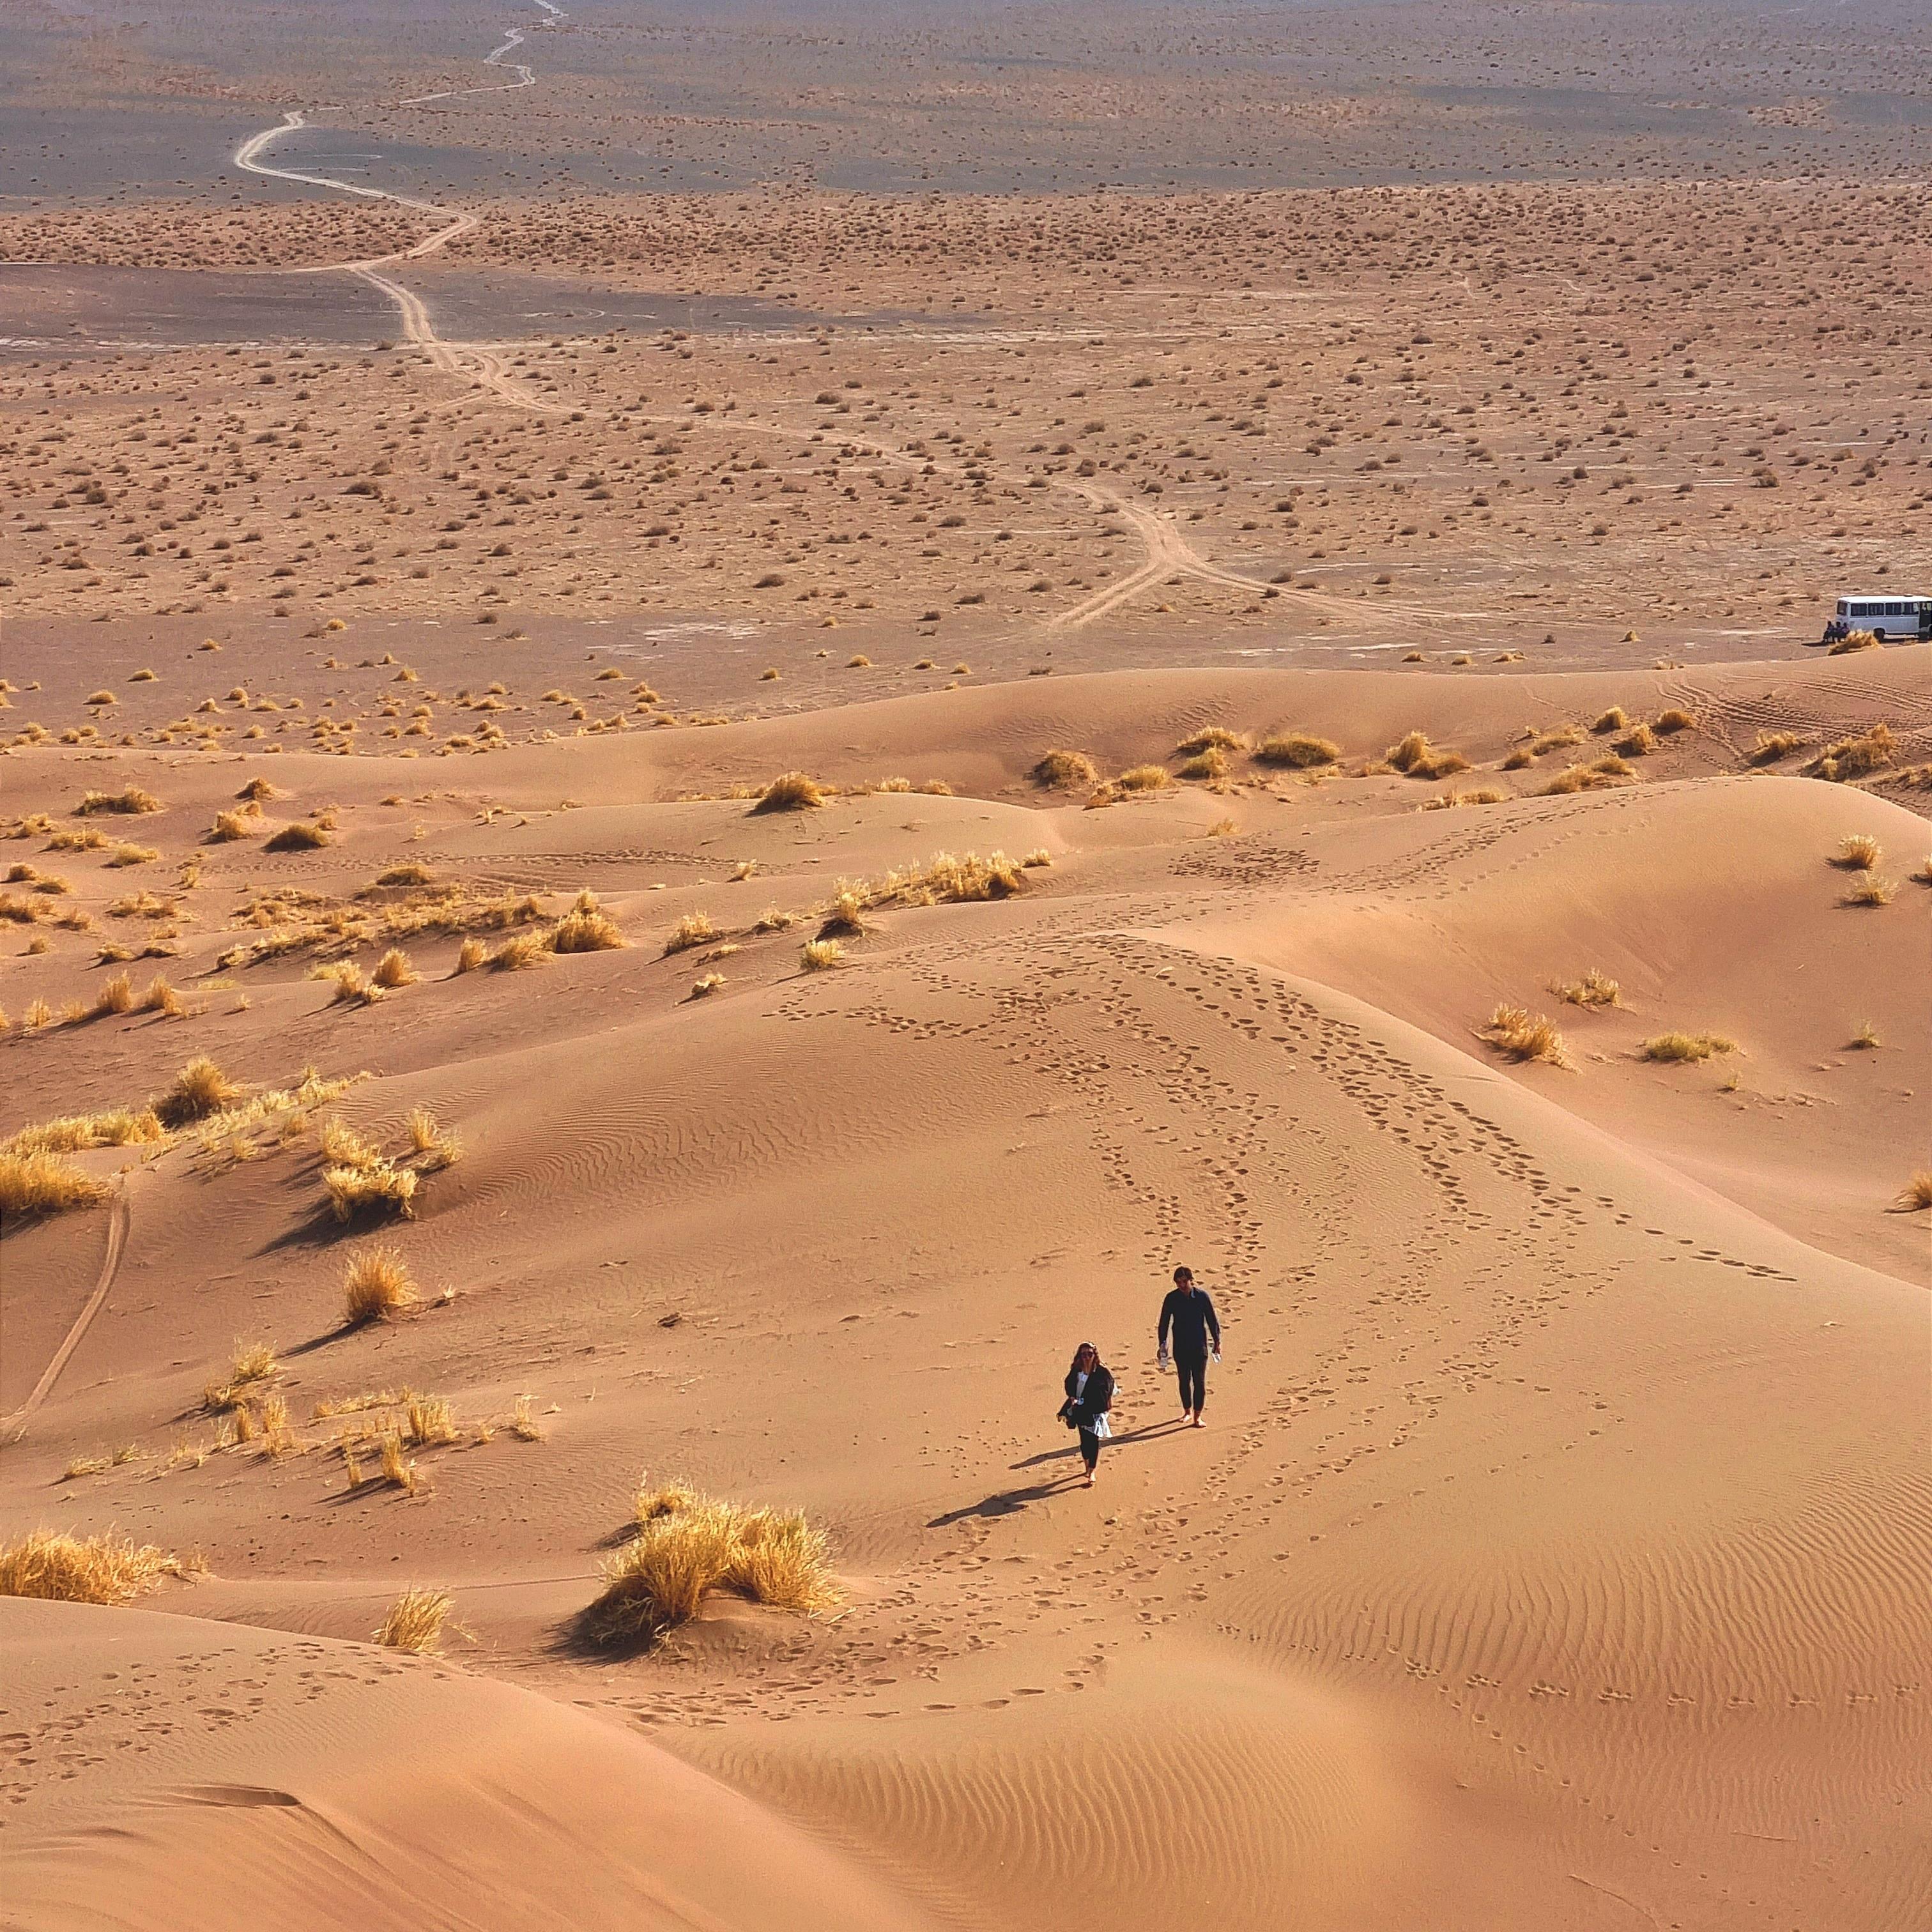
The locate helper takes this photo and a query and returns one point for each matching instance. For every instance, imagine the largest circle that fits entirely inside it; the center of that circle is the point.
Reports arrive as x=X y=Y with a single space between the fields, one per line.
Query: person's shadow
x=1007 y=1502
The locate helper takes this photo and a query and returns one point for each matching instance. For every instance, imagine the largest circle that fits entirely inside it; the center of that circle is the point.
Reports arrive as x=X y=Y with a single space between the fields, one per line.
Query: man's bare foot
x=1199 y=1423
x=1090 y=1479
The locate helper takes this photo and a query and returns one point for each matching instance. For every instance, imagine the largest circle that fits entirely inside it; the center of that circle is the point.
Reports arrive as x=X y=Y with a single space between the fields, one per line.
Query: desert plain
x=716 y=721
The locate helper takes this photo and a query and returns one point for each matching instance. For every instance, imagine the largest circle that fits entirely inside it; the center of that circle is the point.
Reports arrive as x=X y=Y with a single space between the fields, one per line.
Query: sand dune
x=1552 y=1557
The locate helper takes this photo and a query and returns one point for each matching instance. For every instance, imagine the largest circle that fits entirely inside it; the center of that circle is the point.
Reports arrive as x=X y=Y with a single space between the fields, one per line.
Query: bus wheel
x=1879 y=635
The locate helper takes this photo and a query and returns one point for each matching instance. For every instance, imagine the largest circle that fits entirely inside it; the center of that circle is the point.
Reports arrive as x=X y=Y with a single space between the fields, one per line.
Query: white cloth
x=1097 y=1427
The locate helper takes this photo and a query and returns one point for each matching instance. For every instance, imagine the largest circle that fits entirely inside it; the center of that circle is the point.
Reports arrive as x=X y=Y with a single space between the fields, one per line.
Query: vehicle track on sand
x=120 y=1217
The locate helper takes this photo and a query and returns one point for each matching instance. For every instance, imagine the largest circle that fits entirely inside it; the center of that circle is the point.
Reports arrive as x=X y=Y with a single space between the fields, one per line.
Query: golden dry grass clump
x=693 y=929
x=816 y=954
x=1210 y=738
x=586 y=927
x=394 y=969
x=1871 y=890
x=1066 y=771
x=377 y=1285
x=131 y=800
x=1596 y=776
x=1595 y=989
x=106 y=1569
x=687 y=1546
x=1859 y=852
x=1145 y=778
x=199 y=1089
x=415 y=1621
x=1685 y=1048
x=32 y=1184
x=1415 y=758
x=790 y=791
x=1916 y=1194
x=1300 y=749
x=231 y=825
x=1525 y=1036
x=1773 y=746
x=71 y=1133
x=297 y=836
x=1856 y=758
x=359 y=1176
x=1211 y=764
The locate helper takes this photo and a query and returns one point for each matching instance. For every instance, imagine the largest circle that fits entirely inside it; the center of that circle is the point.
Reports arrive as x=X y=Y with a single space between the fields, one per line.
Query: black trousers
x=1090 y=1449
x=1192 y=1370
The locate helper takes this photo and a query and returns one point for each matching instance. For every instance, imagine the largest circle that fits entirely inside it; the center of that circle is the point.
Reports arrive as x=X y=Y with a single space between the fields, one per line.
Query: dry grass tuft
x=132 y=800
x=199 y=1089
x=356 y=1190
x=1415 y=758
x=394 y=969
x=415 y=1621
x=1773 y=746
x=1145 y=778
x=695 y=928
x=1864 y=1038
x=435 y=1149
x=1211 y=738
x=1685 y=1048
x=1613 y=720
x=1447 y=801
x=1211 y=765
x=790 y=791
x=32 y=1184
x=1673 y=721
x=688 y=1546
x=106 y=1569
x=428 y=1423
x=523 y=1424
x=298 y=836
x=1859 y=853
x=1638 y=742
x=1300 y=749
x=1595 y=989
x=256 y=790
x=353 y=987
x=470 y=954
x=1916 y=1194
x=816 y=954
x=1595 y=776
x=586 y=927
x=229 y=825
x=1855 y=757
x=1871 y=891
x=1066 y=771
x=520 y=950
x=72 y=1133
x=377 y=1285
x=1523 y=1036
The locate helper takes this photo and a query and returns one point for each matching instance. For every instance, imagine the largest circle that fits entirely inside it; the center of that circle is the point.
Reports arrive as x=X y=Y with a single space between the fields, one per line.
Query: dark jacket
x=1192 y=1318
x=1096 y=1399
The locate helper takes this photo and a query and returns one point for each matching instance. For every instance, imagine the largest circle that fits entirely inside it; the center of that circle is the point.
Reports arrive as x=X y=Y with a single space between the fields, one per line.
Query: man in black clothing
x=1190 y=1316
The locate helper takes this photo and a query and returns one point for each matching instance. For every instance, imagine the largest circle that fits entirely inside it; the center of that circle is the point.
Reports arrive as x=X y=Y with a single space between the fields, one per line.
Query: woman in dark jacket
x=1090 y=1395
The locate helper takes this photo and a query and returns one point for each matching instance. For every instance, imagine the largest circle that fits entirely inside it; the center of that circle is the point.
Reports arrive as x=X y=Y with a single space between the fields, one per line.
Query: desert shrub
x=231 y=825
x=382 y=1185
x=1668 y=722
x=1145 y=778
x=296 y=836
x=257 y=789
x=586 y=928
x=1595 y=776
x=116 y=995
x=1680 y=1049
x=693 y=929
x=1871 y=890
x=1300 y=749
x=1611 y=720
x=393 y=969
x=816 y=954
x=844 y=913
x=1856 y=758
x=353 y=987
x=1638 y=742
x=1211 y=764
x=377 y=1285
x=790 y=791
x=199 y=1089
x=1448 y=800
x=433 y=1149
x=72 y=1133
x=1916 y=1194
x=1857 y=853
x=1523 y=1036
x=1595 y=989
x=32 y=1184
x=688 y=1546
x=131 y=800
x=1415 y=758
x=107 y=1569
x=415 y=1621
x=1066 y=771
x=470 y=954
x=1773 y=746
x=1211 y=738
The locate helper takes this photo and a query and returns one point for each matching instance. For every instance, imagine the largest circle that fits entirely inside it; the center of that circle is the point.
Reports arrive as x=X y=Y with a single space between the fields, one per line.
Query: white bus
x=1901 y=619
